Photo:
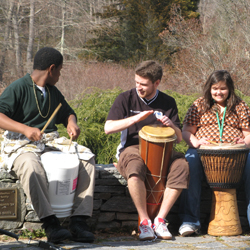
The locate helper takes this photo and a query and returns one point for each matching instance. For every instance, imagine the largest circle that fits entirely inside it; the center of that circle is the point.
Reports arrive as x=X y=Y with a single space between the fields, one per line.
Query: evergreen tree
x=131 y=29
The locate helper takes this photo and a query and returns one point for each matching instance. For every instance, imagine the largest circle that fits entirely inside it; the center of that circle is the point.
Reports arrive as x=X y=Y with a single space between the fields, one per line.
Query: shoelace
x=144 y=228
x=163 y=226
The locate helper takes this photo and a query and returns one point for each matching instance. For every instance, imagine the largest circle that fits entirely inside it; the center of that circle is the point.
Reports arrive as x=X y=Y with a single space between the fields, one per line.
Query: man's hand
x=166 y=121
x=142 y=116
x=72 y=127
x=33 y=134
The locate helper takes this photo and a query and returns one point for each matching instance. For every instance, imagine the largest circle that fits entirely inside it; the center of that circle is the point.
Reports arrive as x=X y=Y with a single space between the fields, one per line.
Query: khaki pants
x=29 y=170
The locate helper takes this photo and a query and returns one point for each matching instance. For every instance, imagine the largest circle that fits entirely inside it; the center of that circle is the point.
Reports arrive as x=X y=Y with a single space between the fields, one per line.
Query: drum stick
x=215 y=143
x=70 y=141
x=52 y=116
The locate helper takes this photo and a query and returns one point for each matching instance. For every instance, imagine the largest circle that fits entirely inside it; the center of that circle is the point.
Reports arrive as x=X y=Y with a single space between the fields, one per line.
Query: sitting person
x=219 y=116
x=25 y=107
x=131 y=111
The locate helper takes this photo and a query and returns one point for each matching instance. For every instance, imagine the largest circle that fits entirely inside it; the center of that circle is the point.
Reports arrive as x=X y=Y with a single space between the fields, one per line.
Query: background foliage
x=131 y=32
x=92 y=110
x=190 y=38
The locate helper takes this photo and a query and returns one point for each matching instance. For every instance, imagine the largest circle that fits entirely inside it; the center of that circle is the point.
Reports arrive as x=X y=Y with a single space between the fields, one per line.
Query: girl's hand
x=204 y=141
x=238 y=140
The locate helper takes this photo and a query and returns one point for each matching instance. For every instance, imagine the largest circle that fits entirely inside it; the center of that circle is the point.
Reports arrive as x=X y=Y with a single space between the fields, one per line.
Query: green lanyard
x=222 y=122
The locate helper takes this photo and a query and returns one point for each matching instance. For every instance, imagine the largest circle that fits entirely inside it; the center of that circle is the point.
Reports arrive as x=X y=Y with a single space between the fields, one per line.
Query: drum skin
x=223 y=167
x=156 y=143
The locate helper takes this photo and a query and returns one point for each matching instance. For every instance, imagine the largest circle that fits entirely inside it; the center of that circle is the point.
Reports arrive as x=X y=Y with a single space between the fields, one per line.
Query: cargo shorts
x=131 y=163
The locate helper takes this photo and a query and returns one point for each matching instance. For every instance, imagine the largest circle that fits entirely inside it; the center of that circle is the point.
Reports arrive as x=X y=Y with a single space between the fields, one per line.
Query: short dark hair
x=150 y=70
x=220 y=76
x=47 y=56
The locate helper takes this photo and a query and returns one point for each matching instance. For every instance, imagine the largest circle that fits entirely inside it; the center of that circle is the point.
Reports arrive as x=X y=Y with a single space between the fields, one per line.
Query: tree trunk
x=31 y=37
x=19 y=67
x=63 y=26
x=6 y=38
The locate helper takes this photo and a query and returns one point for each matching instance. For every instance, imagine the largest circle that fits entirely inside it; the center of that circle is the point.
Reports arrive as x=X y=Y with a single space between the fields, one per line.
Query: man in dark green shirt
x=25 y=107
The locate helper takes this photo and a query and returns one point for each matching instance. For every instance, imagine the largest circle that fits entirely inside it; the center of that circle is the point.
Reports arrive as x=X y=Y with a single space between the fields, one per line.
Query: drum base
x=224 y=217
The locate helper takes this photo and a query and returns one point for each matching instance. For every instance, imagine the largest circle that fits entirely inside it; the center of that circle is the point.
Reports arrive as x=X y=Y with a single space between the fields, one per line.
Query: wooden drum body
x=223 y=166
x=156 y=143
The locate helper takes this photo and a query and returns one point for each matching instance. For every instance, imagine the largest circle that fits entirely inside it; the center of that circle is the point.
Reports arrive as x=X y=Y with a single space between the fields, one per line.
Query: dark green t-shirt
x=18 y=102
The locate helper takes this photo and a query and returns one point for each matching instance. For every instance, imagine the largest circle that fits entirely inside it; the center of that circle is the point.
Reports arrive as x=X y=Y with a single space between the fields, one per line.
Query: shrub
x=92 y=110
x=92 y=107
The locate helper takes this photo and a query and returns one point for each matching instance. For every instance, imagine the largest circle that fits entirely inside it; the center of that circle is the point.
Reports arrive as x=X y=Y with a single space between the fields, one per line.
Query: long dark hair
x=215 y=77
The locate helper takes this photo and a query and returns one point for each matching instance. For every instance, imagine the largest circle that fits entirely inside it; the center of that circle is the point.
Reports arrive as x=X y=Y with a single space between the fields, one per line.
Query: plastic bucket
x=62 y=173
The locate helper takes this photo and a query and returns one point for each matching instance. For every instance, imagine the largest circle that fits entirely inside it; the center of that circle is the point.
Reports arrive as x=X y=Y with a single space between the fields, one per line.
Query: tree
x=31 y=36
x=27 y=25
x=132 y=28
x=223 y=45
x=6 y=37
x=17 y=45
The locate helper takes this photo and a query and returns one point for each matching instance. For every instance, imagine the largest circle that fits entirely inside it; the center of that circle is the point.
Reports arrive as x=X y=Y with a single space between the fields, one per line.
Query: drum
x=223 y=167
x=62 y=173
x=156 y=143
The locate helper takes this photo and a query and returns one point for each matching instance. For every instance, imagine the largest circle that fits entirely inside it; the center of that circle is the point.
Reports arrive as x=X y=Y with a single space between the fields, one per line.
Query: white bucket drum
x=62 y=173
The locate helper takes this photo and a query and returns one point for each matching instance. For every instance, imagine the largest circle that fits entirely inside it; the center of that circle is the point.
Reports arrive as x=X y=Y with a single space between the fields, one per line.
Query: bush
x=92 y=110
x=92 y=107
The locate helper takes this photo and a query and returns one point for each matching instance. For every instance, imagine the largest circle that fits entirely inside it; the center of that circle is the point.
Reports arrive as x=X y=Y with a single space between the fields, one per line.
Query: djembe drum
x=156 y=143
x=223 y=166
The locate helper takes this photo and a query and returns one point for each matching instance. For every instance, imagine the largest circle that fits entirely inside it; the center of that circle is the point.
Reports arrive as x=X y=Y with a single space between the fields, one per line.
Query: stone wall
x=113 y=207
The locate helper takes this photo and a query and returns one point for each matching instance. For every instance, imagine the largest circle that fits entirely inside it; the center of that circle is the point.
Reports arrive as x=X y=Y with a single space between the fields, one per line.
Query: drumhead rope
x=156 y=143
x=224 y=164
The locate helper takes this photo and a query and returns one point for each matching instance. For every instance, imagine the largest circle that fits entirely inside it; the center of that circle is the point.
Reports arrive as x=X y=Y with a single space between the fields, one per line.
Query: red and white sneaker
x=146 y=230
x=161 y=229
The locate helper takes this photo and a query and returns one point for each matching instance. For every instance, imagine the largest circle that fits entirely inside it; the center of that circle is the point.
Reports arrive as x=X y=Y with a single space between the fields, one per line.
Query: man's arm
x=33 y=134
x=114 y=126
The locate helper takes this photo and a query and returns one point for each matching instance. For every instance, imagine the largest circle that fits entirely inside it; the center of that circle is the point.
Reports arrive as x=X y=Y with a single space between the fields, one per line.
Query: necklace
x=37 y=104
x=222 y=122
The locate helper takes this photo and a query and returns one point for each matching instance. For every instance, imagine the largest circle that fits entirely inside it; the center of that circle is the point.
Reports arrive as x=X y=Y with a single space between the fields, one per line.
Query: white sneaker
x=146 y=230
x=161 y=229
x=186 y=230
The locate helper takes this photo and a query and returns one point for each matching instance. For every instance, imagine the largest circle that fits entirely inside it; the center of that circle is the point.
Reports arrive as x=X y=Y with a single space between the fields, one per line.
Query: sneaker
x=186 y=230
x=161 y=229
x=146 y=230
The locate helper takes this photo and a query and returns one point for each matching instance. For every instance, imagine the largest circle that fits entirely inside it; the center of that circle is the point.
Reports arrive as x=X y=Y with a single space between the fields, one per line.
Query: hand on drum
x=73 y=130
x=33 y=134
x=166 y=121
x=238 y=140
x=204 y=141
